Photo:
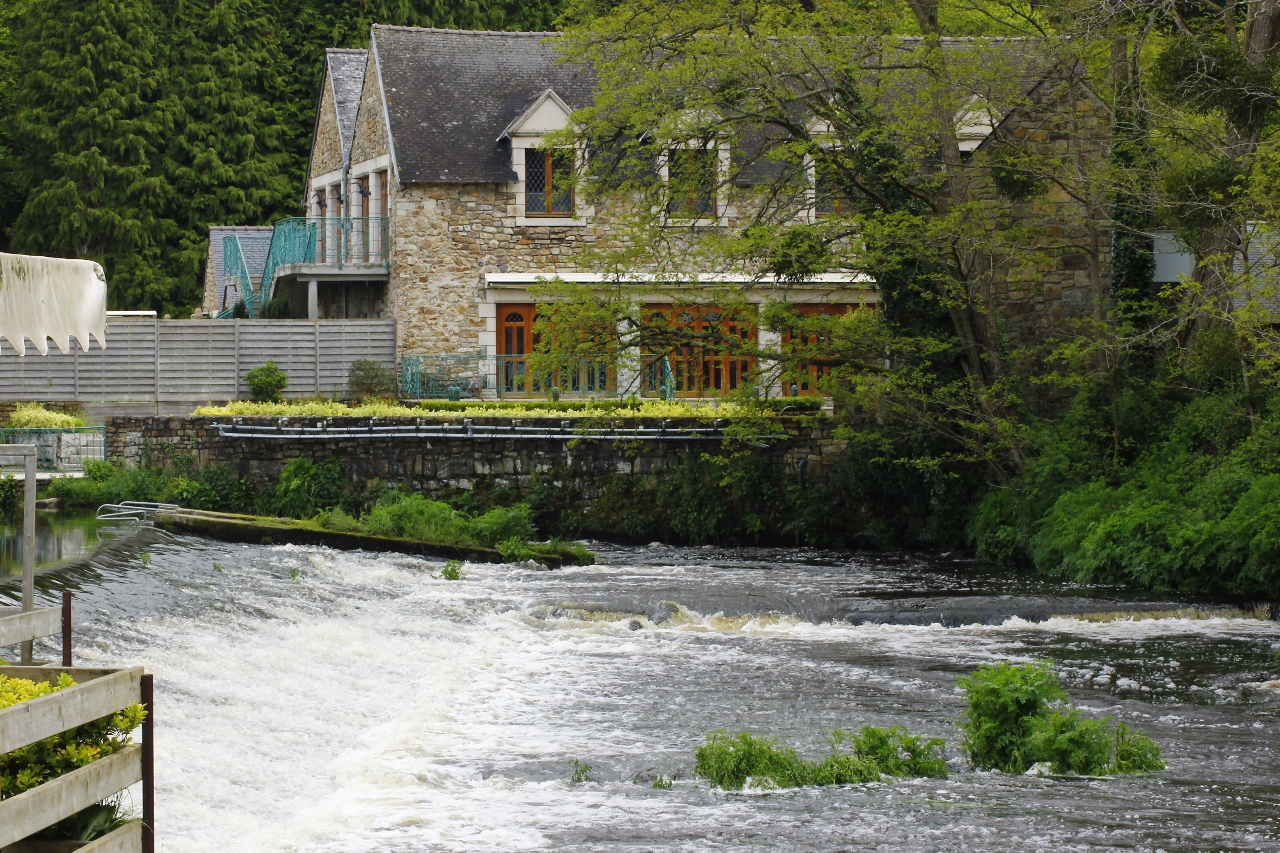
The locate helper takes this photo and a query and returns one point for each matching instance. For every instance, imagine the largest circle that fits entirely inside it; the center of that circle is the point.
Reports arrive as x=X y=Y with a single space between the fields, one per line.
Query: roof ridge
x=346 y=50
x=540 y=33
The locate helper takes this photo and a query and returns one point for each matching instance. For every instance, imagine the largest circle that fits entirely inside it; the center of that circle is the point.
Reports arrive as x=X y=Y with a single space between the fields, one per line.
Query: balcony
x=331 y=248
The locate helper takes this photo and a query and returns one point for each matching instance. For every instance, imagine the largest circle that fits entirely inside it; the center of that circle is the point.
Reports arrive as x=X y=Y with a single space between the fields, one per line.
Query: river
x=312 y=700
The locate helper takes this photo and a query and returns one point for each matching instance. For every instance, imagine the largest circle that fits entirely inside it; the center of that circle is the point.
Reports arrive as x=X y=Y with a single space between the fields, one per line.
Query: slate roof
x=346 y=75
x=255 y=241
x=451 y=93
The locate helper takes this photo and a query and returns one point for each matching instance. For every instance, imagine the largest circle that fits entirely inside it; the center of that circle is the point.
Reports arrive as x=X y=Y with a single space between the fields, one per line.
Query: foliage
x=581 y=773
x=214 y=487
x=305 y=488
x=89 y=824
x=480 y=409
x=452 y=570
x=735 y=761
x=36 y=416
x=54 y=756
x=371 y=380
x=266 y=382
x=11 y=493
x=1150 y=492
x=1015 y=720
x=211 y=104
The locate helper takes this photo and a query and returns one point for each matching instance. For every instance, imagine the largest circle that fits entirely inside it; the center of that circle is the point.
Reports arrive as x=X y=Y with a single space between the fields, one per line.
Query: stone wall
x=433 y=465
x=326 y=150
x=1060 y=271
x=370 y=140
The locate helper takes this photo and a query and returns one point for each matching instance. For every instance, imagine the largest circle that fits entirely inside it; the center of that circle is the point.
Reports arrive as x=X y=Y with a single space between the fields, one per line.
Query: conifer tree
x=226 y=157
x=90 y=109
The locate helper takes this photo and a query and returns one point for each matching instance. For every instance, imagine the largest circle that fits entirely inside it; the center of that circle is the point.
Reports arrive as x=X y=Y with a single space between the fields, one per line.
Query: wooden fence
x=97 y=693
x=196 y=361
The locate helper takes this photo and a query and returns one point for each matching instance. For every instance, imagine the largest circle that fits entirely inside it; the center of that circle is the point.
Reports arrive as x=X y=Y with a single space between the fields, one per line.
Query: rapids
x=312 y=700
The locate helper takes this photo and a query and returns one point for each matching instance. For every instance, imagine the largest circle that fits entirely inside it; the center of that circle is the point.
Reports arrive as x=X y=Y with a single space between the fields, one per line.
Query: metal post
x=29 y=547
x=66 y=627
x=149 y=766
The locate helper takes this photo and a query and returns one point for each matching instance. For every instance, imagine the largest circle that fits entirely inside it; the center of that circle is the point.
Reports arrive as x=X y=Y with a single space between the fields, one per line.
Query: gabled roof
x=547 y=112
x=451 y=94
x=346 y=76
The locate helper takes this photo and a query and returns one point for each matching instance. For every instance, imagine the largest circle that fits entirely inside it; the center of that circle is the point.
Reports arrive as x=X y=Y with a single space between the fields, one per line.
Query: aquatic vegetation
x=452 y=570
x=869 y=755
x=54 y=756
x=1016 y=720
x=581 y=773
x=662 y=783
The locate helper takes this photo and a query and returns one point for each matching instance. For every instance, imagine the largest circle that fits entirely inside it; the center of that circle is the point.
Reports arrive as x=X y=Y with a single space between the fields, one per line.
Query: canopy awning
x=58 y=298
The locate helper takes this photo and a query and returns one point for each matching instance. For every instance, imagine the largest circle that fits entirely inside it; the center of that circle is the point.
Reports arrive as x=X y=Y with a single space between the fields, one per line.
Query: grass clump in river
x=401 y=515
x=735 y=761
x=1017 y=720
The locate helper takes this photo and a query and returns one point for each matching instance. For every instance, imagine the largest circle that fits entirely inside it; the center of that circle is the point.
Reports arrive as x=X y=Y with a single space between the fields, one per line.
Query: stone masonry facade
x=1063 y=276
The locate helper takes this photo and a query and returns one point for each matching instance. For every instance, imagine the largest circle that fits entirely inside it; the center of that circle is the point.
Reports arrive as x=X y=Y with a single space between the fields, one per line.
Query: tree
x=90 y=108
x=830 y=98
x=226 y=157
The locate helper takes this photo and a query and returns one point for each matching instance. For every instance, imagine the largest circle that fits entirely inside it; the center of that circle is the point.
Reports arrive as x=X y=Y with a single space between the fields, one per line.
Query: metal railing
x=337 y=240
x=61 y=449
x=456 y=375
x=236 y=269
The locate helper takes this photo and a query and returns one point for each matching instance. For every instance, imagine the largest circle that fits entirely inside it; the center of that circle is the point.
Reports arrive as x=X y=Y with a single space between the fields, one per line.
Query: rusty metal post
x=149 y=766
x=66 y=627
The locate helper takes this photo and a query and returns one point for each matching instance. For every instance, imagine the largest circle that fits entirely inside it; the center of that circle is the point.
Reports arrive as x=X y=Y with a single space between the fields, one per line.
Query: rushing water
x=311 y=700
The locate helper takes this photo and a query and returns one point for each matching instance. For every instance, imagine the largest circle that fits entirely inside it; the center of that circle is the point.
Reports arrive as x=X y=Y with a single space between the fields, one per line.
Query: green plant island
x=45 y=760
x=1017 y=722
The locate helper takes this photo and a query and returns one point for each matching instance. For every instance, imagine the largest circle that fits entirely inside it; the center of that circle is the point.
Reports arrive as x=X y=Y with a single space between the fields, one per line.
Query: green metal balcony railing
x=457 y=375
x=337 y=240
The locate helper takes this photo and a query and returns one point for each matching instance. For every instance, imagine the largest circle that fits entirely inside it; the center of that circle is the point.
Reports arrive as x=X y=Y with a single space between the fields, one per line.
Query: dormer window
x=544 y=185
x=548 y=183
x=692 y=184
x=827 y=198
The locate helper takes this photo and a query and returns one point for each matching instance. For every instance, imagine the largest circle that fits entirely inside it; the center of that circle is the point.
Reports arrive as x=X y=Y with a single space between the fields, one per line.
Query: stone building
x=430 y=199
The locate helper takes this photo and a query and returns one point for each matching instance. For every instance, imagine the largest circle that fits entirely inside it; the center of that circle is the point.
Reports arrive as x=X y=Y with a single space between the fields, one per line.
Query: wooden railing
x=97 y=693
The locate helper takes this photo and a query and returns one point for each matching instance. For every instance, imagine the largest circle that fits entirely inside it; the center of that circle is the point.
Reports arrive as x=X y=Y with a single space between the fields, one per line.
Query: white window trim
x=334 y=177
x=581 y=214
x=723 y=211
x=377 y=164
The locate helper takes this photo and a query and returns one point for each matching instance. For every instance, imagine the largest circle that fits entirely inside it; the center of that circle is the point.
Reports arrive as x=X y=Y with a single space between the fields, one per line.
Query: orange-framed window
x=828 y=200
x=692 y=182
x=548 y=183
x=802 y=380
x=714 y=361
x=517 y=340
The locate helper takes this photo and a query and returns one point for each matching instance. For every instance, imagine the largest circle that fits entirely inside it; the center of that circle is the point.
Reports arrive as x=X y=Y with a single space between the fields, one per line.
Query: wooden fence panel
x=196 y=361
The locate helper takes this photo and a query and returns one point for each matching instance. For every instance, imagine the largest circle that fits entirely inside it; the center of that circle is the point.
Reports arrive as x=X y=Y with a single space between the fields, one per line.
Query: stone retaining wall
x=435 y=465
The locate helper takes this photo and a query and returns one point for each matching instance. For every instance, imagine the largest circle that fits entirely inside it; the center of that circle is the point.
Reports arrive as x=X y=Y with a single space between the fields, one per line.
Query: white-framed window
x=695 y=176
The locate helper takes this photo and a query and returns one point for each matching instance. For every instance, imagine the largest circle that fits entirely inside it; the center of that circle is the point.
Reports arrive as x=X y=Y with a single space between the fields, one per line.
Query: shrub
x=11 y=494
x=370 y=379
x=306 y=488
x=1011 y=726
x=729 y=761
x=36 y=416
x=54 y=756
x=1003 y=701
x=266 y=382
